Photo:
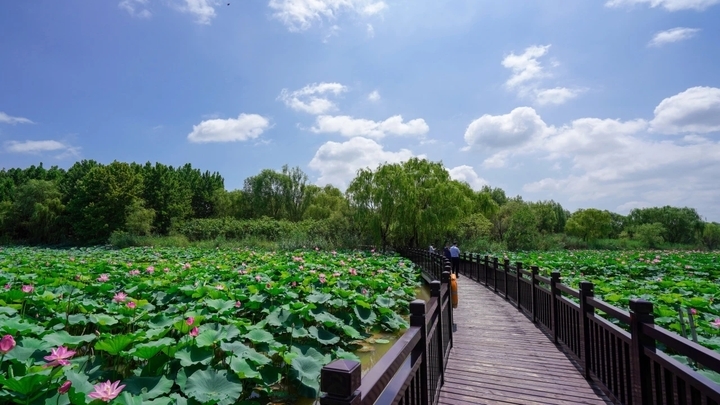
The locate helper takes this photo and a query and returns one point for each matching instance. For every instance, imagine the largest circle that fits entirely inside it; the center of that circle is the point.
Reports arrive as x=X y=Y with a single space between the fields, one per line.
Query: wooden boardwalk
x=500 y=357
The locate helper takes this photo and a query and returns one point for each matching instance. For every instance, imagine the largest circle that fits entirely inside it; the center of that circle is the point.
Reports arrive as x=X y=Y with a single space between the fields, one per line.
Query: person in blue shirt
x=455 y=258
x=446 y=251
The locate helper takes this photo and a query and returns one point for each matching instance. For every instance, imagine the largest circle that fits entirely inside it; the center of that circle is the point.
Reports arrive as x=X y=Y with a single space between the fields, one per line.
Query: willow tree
x=411 y=203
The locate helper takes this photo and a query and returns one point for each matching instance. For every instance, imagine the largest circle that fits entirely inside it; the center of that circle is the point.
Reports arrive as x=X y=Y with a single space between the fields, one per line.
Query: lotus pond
x=668 y=279
x=189 y=326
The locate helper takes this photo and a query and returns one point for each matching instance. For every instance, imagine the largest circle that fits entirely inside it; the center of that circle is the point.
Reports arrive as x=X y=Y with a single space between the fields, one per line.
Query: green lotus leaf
x=243 y=368
x=194 y=355
x=385 y=302
x=216 y=333
x=103 y=320
x=259 y=336
x=280 y=316
x=351 y=332
x=271 y=375
x=62 y=338
x=16 y=326
x=307 y=367
x=299 y=332
x=148 y=350
x=24 y=384
x=318 y=297
x=220 y=305
x=365 y=315
x=342 y=354
x=148 y=387
x=323 y=336
x=211 y=385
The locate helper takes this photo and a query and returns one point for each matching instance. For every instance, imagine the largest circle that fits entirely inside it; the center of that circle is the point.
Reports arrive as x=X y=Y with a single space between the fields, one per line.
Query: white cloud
x=309 y=99
x=38 y=147
x=669 y=5
x=374 y=96
x=673 y=35
x=528 y=74
x=525 y=67
x=351 y=127
x=8 y=119
x=242 y=128
x=558 y=95
x=467 y=174
x=696 y=109
x=203 y=10
x=370 y=31
x=298 y=15
x=338 y=163
x=515 y=129
x=135 y=8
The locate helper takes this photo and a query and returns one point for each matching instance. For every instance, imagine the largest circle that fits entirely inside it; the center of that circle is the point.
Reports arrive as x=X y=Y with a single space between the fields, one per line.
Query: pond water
x=372 y=353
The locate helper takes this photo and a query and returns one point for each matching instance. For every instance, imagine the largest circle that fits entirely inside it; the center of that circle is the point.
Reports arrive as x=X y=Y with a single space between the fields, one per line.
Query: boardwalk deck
x=500 y=357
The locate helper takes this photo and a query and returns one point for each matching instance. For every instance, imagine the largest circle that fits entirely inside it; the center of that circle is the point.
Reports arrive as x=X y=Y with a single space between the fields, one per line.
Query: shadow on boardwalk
x=500 y=357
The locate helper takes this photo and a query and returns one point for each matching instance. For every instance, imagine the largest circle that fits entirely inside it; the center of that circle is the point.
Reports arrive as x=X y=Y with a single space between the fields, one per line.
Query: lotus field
x=667 y=279
x=188 y=326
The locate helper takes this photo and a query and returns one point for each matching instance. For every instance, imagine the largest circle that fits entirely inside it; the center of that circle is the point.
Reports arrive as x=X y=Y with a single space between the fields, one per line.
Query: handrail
x=625 y=363
x=375 y=381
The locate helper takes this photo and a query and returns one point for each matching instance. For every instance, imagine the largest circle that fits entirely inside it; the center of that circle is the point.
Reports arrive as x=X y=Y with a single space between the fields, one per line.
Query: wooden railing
x=626 y=363
x=412 y=371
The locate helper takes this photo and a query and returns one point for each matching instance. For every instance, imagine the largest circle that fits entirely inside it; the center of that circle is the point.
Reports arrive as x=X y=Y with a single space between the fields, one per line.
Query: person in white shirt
x=455 y=258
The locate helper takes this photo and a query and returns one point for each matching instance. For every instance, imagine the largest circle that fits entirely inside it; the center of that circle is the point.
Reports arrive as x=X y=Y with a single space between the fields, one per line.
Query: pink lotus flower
x=342 y=262
x=258 y=278
x=716 y=323
x=65 y=387
x=372 y=250
x=107 y=391
x=194 y=332
x=132 y=305
x=302 y=267
x=134 y=272
x=186 y=266
x=103 y=278
x=389 y=289
x=381 y=271
x=129 y=264
x=59 y=356
x=190 y=321
x=312 y=272
x=7 y=343
x=294 y=283
x=27 y=289
x=219 y=287
x=150 y=269
x=120 y=297
x=166 y=270
x=353 y=272
x=7 y=286
x=693 y=311
x=238 y=304
x=336 y=274
x=364 y=291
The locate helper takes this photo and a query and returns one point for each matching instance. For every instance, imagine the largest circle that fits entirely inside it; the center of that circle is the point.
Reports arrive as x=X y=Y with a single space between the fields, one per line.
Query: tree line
x=414 y=203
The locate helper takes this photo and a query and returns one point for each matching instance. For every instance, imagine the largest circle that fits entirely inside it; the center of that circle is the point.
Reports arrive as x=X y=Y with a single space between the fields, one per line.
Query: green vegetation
x=413 y=203
x=188 y=326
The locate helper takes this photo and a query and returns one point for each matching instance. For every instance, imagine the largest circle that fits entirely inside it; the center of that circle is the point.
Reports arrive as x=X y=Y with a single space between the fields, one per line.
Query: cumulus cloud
x=39 y=147
x=242 y=128
x=338 y=162
x=374 y=96
x=136 y=8
x=467 y=174
x=351 y=127
x=203 y=10
x=528 y=74
x=299 y=15
x=312 y=98
x=696 y=109
x=672 y=35
x=514 y=129
x=8 y=119
x=669 y=5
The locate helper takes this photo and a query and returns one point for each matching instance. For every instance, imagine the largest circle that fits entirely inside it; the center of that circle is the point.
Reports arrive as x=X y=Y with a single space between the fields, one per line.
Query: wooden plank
x=500 y=357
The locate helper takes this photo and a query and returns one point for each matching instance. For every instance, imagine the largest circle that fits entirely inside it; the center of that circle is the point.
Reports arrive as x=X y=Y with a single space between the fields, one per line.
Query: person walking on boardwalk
x=446 y=251
x=455 y=258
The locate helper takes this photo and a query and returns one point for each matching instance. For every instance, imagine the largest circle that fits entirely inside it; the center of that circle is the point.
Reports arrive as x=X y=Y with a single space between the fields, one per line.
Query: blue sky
x=613 y=104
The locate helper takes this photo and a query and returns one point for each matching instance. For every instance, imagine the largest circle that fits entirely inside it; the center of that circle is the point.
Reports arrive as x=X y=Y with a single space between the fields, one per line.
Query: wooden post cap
x=341 y=378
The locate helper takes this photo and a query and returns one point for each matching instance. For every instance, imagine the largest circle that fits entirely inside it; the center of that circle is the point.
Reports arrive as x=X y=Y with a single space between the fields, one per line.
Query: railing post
x=340 y=381
x=446 y=280
x=534 y=292
x=486 y=263
x=586 y=290
x=554 y=306
x=418 y=319
x=518 y=281
x=506 y=268
x=641 y=312
x=435 y=292
x=495 y=269
x=476 y=267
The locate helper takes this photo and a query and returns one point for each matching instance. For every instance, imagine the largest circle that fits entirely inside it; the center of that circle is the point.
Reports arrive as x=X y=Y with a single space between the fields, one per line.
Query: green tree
x=522 y=233
x=36 y=212
x=139 y=219
x=497 y=194
x=711 y=235
x=589 y=224
x=99 y=205
x=166 y=195
x=325 y=202
x=650 y=235
x=682 y=225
